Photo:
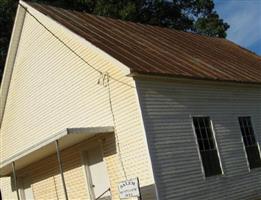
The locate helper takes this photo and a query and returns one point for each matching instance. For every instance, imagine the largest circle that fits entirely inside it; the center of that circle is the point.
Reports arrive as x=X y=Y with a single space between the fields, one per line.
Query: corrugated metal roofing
x=154 y=50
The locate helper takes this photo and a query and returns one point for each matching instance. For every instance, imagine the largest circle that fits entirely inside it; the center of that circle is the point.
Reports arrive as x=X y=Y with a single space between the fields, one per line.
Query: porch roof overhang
x=42 y=149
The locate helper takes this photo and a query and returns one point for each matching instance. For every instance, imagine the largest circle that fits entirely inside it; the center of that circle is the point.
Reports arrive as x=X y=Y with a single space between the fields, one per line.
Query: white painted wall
x=167 y=110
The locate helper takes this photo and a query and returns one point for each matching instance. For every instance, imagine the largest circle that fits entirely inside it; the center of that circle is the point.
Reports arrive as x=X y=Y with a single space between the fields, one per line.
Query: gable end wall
x=52 y=89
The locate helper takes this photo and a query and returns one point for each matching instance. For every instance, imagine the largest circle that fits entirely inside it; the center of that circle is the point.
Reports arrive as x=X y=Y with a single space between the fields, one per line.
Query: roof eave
x=176 y=77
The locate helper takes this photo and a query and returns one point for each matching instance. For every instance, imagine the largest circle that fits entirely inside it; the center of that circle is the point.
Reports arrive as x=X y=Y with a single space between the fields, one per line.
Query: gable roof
x=153 y=50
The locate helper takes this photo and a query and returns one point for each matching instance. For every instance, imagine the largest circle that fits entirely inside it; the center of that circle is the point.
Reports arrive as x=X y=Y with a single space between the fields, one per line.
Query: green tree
x=7 y=15
x=188 y=15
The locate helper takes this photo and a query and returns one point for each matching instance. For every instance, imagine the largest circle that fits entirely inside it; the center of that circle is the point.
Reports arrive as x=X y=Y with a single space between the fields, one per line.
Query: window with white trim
x=250 y=142
x=207 y=146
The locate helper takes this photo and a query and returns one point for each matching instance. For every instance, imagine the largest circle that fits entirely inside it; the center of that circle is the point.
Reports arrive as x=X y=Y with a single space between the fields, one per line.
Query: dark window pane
x=253 y=157
x=248 y=122
x=198 y=132
x=245 y=141
x=209 y=132
x=201 y=121
x=250 y=142
x=245 y=122
x=201 y=145
x=211 y=163
x=212 y=144
x=195 y=122
x=204 y=133
x=253 y=139
x=206 y=144
x=207 y=122
x=209 y=155
x=251 y=130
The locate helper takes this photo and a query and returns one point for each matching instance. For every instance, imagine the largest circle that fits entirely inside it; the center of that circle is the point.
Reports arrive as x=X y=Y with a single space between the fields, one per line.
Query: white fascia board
x=11 y=57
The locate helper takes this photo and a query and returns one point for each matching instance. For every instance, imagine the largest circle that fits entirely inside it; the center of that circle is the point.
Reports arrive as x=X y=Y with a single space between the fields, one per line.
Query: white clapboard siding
x=52 y=89
x=167 y=108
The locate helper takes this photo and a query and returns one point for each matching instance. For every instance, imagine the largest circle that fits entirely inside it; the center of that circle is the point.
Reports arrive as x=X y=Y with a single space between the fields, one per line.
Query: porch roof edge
x=67 y=137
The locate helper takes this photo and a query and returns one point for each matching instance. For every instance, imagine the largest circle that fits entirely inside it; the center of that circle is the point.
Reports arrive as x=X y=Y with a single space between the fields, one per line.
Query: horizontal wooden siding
x=168 y=107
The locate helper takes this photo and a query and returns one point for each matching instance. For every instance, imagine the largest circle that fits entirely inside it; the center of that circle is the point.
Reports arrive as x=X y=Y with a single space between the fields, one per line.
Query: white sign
x=129 y=188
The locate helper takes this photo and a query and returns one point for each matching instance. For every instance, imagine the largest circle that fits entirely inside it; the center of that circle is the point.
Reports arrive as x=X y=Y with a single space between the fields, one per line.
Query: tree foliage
x=188 y=15
x=7 y=15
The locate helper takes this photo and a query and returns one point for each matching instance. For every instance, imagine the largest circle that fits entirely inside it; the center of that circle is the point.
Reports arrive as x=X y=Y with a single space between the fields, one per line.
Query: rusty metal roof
x=149 y=49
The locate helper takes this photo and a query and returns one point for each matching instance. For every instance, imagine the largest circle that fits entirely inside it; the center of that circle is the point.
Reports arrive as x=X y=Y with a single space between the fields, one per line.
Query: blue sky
x=244 y=18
